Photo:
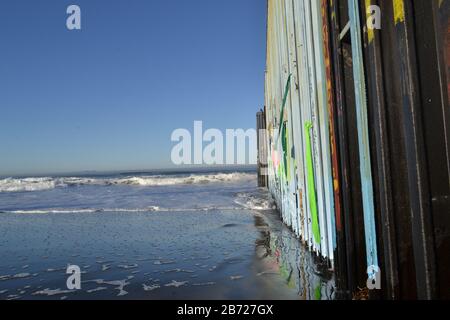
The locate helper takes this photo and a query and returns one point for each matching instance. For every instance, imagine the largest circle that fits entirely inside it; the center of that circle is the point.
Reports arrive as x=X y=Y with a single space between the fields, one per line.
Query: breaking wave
x=255 y=200
x=27 y=184
x=47 y=183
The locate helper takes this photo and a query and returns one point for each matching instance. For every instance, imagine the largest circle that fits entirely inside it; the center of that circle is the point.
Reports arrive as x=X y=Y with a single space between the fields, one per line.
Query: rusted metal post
x=262 y=148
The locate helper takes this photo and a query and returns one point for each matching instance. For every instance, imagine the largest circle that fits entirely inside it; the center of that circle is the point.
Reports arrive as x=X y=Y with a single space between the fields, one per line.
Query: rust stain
x=330 y=103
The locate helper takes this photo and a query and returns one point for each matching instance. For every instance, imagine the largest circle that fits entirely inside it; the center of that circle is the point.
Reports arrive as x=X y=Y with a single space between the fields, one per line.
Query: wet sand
x=217 y=254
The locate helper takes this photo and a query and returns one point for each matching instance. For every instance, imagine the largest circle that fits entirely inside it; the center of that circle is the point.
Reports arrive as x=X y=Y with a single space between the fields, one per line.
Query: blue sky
x=108 y=97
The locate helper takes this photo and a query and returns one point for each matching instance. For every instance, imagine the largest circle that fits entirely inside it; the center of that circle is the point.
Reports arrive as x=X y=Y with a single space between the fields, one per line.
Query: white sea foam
x=126 y=267
x=176 y=284
x=255 y=201
x=15 y=276
x=191 y=179
x=121 y=210
x=106 y=267
x=51 y=292
x=151 y=287
x=97 y=289
x=47 y=183
x=118 y=284
x=47 y=211
x=27 y=184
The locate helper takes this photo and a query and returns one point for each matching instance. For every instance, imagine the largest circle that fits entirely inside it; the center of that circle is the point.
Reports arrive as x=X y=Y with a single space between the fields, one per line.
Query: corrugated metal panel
x=295 y=52
x=363 y=135
x=358 y=137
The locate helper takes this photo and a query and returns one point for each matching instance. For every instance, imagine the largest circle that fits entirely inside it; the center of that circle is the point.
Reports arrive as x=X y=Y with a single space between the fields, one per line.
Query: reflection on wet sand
x=244 y=252
x=279 y=252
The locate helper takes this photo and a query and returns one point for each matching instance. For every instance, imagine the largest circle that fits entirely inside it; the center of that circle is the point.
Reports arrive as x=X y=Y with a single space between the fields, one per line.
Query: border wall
x=358 y=138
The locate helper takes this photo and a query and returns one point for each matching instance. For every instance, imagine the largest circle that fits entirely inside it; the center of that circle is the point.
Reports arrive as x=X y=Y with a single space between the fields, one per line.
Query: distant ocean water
x=139 y=192
x=146 y=235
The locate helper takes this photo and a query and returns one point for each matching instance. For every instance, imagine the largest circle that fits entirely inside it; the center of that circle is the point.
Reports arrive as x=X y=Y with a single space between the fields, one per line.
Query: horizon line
x=125 y=171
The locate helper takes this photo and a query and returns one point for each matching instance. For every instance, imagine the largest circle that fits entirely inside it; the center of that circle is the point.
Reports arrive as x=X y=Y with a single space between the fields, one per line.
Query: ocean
x=151 y=235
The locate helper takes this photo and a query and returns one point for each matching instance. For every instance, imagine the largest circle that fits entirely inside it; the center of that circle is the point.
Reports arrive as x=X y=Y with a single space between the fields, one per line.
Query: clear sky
x=108 y=97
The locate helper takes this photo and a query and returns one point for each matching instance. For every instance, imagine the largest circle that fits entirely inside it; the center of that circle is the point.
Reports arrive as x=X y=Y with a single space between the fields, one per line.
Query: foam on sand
x=51 y=292
x=176 y=284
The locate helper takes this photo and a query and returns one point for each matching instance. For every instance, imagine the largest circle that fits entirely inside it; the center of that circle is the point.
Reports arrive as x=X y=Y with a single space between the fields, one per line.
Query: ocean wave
x=255 y=201
x=27 y=184
x=243 y=200
x=176 y=180
x=121 y=210
x=47 y=183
